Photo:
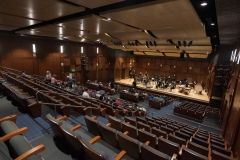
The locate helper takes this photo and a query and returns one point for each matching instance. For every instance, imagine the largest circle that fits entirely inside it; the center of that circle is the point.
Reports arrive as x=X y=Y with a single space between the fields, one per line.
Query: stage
x=192 y=96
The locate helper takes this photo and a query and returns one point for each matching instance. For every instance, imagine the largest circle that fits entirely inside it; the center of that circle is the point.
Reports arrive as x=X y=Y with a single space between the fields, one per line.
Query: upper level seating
x=193 y=110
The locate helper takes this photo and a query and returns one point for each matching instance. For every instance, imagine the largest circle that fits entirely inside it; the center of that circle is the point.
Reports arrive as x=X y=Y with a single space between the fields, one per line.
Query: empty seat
x=200 y=142
x=160 y=123
x=187 y=132
x=159 y=132
x=176 y=139
x=168 y=147
x=219 y=156
x=140 y=119
x=166 y=129
x=115 y=123
x=182 y=135
x=197 y=148
x=132 y=130
x=108 y=134
x=221 y=150
x=150 y=119
x=219 y=144
x=153 y=124
x=130 y=121
x=188 y=154
x=130 y=145
x=92 y=125
x=149 y=153
x=144 y=136
x=172 y=127
x=143 y=126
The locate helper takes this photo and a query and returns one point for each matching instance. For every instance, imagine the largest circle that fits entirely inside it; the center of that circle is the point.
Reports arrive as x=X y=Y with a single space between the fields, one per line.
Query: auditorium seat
x=166 y=129
x=143 y=126
x=219 y=144
x=187 y=132
x=149 y=153
x=8 y=124
x=204 y=138
x=110 y=111
x=150 y=119
x=182 y=135
x=108 y=134
x=115 y=123
x=144 y=136
x=168 y=147
x=188 y=154
x=221 y=150
x=160 y=123
x=153 y=124
x=132 y=130
x=200 y=142
x=92 y=125
x=159 y=132
x=197 y=148
x=176 y=139
x=130 y=145
x=219 y=156
x=172 y=127
x=130 y=121
x=140 y=119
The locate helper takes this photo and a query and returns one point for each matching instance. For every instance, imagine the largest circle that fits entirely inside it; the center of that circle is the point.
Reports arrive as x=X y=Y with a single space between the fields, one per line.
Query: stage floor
x=191 y=96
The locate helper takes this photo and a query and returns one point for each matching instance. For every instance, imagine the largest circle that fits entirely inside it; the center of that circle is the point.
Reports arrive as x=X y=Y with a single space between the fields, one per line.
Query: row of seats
x=182 y=135
x=99 y=87
x=193 y=110
x=15 y=146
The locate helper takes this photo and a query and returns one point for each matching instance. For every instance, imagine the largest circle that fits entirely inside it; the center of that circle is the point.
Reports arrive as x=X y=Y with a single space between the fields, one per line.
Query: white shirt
x=85 y=94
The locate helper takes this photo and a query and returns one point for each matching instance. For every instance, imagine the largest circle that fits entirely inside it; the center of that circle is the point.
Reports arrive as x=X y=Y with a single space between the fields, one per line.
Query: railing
x=19 y=72
x=54 y=104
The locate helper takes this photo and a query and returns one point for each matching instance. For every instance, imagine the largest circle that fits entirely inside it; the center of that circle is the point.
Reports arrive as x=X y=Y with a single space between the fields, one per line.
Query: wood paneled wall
x=16 y=52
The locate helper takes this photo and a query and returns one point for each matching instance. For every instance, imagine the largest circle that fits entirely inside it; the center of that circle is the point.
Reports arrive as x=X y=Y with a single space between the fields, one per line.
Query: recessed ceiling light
x=203 y=4
x=212 y=24
x=83 y=40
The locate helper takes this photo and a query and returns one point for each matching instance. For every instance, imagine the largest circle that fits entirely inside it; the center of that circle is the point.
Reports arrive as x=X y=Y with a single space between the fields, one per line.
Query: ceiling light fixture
x=212 y=24
x=203 y=4
x=109 y=19
x=83 y=40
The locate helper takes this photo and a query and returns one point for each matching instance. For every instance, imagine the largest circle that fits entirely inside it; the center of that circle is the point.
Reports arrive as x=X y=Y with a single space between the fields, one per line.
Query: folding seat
x=187 y=132
x=199 y=115
x=150 y=119
x=219 y=156
x=149 y=153
x=156 y=118
x=182 y=135
x=144 y=136
x=111 y=111
x=130 y=145
x=168 y=147
x=200 y=142
x=188 y=154
x=108 y=134
x=132 y=130
x=166 y=129
x=8 y=124
x=115 y=123
x=218 y=139
x=160 y=123
x=204 y=138
x=151 y=103
x=176 y=139
x=184 y=112
x=157 y=104
x=172 y=127
x=140 y=119
x=221 y=150
x=130 y=121
x=191 y=113
x=143 y=126
x=159 y=132
x=92 y=125
x=153 y=124
x=219 y=144
x=197 y=148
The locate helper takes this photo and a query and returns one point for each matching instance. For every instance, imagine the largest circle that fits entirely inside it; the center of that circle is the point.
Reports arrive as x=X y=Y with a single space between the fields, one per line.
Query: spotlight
x=155 y=44
x=179 y=43
x=150 y=42
x=184 y=43
x=190 y=43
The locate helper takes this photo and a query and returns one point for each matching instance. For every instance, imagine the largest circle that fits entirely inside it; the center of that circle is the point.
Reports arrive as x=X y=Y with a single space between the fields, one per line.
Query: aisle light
x=34 y=48
x=81 y=49
x=238 y=57
x=234 y=55
x=97 y=49
x=61 y=49
x=231 y=56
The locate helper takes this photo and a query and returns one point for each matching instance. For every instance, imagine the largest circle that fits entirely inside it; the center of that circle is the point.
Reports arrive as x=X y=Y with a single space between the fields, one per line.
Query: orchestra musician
x=133 y=74
x=134 y=84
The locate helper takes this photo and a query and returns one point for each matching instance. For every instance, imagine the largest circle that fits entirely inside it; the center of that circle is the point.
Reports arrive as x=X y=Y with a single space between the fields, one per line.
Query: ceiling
x=146 y=27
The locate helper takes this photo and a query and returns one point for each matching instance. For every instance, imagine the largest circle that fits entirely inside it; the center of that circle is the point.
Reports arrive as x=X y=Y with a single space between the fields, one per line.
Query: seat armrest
x=62 y=118
x=76 y=127
x=180 y=151
x=30 y=97
x=174 y=156
x=14 y=133
x=147 y=143
x=10 y=117
x=109 y=124
x=95 y=139
x=120 y=155
x=31 y=152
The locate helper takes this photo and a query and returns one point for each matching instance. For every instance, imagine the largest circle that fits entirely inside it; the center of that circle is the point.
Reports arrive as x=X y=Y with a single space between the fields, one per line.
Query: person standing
x=70 y=81
x=134 y=84
x=48 y=77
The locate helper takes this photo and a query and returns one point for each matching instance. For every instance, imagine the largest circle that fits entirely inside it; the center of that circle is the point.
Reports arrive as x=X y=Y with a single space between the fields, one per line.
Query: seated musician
x=133 y=74
x=202 y=84
x=159 y=83
x=146 y=74
x=140 y=75
x=187 y=84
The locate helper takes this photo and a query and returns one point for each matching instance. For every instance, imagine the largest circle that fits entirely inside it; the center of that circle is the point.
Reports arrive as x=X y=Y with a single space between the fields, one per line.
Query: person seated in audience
x=118 y=103
x=48 y=77
x=89 y=92
x=112 y=84
x=98 y=94
x=23 y=74
x=101 y=98
x=100 y=84
x=85 y=94
x=53 y=80
x=152 y=98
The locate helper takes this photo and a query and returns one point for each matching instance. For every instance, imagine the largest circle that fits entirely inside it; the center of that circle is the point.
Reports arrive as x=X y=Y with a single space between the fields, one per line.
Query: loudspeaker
x=181 y=55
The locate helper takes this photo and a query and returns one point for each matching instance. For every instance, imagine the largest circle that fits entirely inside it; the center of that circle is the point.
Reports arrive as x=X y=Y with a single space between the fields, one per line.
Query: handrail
x=53 y=104
x=10 y=69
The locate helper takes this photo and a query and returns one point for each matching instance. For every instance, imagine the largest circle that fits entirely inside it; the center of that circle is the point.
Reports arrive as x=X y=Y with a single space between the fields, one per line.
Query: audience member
x=98 y=94
x=23 y=74
x=53 y=80
x=85 y=94
x=118 y=103
x=70 y=81
x=48 y=77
